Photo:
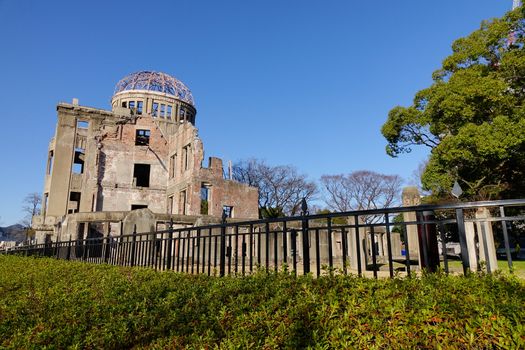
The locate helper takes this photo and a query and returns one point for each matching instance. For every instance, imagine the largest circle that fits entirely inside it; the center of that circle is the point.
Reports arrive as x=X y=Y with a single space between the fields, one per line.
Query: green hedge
x=45 y=303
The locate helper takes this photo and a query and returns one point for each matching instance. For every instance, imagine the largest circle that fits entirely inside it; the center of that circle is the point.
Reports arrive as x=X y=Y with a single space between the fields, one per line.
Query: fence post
x=170 y=242
x=222 y=261
x=57 y=249
x=460 y=220
x=428 y=244
x=84 y=249
x=133 y=248
x=306 y=241
x=68 y=257
x=107 y=248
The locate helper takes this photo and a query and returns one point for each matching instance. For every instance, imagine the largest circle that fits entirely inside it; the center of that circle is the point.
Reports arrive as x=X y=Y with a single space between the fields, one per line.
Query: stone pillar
x=411 y=197
x=352 y=246
x=380 y=244
x=471 y=245
x=485 y=234
x=395 y=239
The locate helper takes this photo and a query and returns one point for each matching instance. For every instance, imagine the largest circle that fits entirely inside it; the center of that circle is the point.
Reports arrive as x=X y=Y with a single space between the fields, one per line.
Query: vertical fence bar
x=215 y=253
x=236 y=251
x=373 y=244
x=133 y=246
x=317 y=253
x=330 y=252
x=182 y=258
x=57 y=249
x=189 y=239
x=259 y=246
x=68 y=257
x=107 y=252
x=244 y=251
x=358 y=245
x=229 y=253
x=306 y=247
x=267 y=245
x=193 y=239
x=275 y=251
x=222 y=266
x=84 y=250
x=178 y=243
x=114 y=255
x=203 y=270
x=345 y=250
x=144 y=249
x=209 y=251
x=198 y=249
x=423 y=244
x=170 y=245
x=389 y=246
x=251 y=247
x=285 y=244
x=407 y=249
x=293 y=237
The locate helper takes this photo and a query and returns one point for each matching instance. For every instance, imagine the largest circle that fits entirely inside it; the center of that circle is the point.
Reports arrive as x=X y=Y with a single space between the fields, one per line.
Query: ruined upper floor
x=156 y=94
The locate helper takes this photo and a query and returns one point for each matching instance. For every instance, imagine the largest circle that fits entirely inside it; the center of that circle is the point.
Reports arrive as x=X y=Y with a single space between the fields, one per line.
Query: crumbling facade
x=144 y=153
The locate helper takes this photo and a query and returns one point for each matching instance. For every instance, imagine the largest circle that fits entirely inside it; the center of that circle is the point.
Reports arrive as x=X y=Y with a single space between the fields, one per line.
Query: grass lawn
x=518 y=267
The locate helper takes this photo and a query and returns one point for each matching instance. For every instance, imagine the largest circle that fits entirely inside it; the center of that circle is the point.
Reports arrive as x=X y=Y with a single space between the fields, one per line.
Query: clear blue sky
x=307 y=83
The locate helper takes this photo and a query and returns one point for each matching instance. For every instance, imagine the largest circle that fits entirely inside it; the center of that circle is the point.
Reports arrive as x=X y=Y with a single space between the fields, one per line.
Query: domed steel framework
x=155 y=81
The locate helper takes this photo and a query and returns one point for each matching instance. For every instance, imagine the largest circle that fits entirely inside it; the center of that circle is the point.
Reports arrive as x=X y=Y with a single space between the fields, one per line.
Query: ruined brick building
x=104 y=166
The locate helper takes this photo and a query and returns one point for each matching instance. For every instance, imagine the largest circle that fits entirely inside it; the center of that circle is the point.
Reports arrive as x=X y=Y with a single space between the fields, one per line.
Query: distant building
x=145 y=153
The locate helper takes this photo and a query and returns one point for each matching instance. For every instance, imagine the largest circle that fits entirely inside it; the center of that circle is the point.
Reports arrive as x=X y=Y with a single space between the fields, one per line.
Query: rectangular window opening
x=182 y=203
x=81 y=229
x=142 y=137
x=74 y=202
x=173 y=165
x=138 y=206
x=162 y=110
x=168 y=112
x=170 y=205
x=155 y=109
x=186 y=157
x=139 y=107
x=125 y=104
x=82 y=124
x=131 y=104
x=205 y=199
x=228 y=210
x=50 y=162
x=141 y=174
x=45 y=201
x=78 y=161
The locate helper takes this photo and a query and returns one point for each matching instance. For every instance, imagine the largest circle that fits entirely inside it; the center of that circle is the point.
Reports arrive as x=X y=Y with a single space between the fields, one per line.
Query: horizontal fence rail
x=384 y=242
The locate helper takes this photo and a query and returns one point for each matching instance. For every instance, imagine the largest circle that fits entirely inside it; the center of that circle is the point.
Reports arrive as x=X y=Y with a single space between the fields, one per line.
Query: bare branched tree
x=361 y=190
x=281 y=188
x=415 y=179
x=31 y=207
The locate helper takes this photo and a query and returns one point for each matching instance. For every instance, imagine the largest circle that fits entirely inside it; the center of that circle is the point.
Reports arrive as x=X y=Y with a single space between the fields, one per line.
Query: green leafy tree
x=473 y=115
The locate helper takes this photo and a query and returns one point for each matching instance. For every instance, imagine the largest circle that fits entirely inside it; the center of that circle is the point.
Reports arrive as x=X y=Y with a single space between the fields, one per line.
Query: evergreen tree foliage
x=473 y=115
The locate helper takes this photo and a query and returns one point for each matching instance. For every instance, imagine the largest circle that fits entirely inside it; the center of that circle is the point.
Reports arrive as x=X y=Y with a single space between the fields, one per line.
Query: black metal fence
x=384 y=242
